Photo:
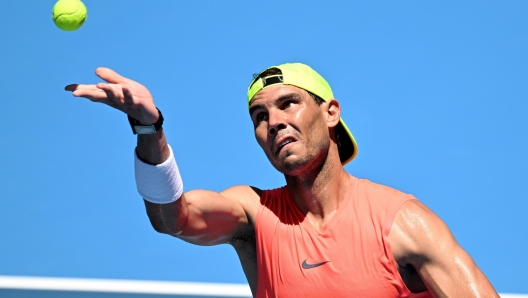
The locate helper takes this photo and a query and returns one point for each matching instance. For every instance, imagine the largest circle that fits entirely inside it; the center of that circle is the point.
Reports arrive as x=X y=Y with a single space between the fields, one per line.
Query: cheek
x=308 y=118
x=261 y=135
x=318 y=130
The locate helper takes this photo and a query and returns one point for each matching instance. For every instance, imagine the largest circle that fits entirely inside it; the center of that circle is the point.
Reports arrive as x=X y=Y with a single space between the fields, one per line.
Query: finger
x=92 y=93
x=95 y=95
x=113 y=92
x=88 y=91
x=128 y=98
x=82 y=90
x=109 y=75
x=75 y=87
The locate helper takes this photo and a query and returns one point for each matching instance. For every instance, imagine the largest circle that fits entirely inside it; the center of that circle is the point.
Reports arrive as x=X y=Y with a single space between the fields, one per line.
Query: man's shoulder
x=251 y=192
x=383 y=201
x=249 y=197
x=242 y=193
x=378 y=189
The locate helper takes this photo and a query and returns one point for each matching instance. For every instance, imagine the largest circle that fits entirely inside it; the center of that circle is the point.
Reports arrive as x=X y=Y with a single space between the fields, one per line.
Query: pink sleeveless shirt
x=351 y=257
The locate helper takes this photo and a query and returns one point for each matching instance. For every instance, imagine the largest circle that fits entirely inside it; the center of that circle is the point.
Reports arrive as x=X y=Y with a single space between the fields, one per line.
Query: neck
x=318 y=192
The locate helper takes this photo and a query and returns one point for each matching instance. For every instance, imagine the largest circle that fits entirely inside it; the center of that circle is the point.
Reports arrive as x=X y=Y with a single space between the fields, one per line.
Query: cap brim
x=346 y=144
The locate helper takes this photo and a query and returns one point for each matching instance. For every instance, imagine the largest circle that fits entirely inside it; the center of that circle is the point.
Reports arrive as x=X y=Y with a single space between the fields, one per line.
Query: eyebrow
x=282 y=98
x=253 y=109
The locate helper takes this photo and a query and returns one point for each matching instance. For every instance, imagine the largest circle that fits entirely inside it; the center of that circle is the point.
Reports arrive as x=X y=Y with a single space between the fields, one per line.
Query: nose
x=276 y=122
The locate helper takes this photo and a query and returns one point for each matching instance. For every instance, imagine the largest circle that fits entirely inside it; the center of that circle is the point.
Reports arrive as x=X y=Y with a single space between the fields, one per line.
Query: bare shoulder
x=247 y=196
x=419 y=238
x=416 y=231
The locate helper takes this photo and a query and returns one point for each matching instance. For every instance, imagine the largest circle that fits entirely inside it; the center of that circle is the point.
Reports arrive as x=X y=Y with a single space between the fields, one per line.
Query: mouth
x=283 y=142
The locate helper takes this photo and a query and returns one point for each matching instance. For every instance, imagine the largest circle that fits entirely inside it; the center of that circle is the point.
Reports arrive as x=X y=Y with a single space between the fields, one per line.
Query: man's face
x=290 y=127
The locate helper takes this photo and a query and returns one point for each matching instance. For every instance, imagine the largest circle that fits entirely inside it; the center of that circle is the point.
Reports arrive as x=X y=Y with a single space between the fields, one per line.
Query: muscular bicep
x=421 y=239
x=204 y=217
x=210 y=217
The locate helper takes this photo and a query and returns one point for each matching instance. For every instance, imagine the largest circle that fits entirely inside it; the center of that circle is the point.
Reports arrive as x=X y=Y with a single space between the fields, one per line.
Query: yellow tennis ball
x=69 y=15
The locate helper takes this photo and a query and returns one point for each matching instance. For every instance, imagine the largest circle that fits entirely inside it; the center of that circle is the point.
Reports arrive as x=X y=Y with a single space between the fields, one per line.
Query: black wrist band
x=138 y=128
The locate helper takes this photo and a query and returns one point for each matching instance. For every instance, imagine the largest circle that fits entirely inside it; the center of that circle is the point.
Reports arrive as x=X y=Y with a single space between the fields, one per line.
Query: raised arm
x=421 y=239
x=205 y=217
x=200 y=217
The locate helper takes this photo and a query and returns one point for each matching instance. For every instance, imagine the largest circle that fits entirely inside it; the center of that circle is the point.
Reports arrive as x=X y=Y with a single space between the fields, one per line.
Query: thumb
x=109 y=75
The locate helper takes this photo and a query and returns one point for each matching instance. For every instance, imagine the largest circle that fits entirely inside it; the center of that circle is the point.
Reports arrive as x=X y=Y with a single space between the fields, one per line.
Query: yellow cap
x=304 y=77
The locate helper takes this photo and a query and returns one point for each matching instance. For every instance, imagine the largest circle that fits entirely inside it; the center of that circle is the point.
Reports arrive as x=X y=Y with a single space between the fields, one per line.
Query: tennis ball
x=69 y=15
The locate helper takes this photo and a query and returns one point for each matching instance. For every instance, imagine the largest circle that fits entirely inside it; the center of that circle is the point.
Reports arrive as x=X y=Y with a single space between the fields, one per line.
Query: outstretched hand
x=120 y=93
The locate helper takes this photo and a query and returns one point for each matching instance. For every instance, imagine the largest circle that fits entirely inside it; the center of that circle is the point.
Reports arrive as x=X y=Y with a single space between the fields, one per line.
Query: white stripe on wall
x=136 y=286
x=124 y=286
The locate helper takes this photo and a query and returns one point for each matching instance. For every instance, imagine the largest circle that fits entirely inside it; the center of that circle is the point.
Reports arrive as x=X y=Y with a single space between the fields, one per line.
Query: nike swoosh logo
x=310 y=266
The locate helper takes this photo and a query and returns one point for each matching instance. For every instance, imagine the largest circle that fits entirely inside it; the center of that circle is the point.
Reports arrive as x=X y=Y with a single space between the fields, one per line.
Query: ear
x=333 y=112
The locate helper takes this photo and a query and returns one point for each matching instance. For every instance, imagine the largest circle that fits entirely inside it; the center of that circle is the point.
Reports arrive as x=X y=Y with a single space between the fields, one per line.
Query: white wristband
x=160 y=184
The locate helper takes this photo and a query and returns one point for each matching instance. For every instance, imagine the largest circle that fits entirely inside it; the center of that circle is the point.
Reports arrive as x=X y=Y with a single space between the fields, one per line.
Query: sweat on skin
x=297 y=135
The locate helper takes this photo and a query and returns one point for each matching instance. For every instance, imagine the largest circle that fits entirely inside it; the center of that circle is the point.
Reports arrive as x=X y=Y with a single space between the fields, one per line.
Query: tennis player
x=325 y=233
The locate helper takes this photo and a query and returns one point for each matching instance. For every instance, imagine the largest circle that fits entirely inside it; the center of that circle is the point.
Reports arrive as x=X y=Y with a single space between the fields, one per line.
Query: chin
x=293 y=166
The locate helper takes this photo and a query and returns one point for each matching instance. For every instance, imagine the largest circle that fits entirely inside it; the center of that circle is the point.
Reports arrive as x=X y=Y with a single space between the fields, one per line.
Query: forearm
x=152 y=148
x=155 y=182
x=157 y=175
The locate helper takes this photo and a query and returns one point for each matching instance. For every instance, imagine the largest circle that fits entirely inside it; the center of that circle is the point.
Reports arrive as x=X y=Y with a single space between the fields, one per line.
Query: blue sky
x=435 y=94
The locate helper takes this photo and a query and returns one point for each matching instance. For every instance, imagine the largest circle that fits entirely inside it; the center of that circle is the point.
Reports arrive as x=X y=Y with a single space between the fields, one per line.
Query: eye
x=261 y=117
x=288 y=104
